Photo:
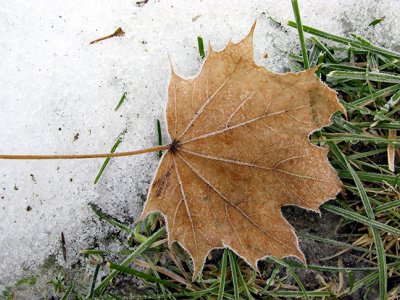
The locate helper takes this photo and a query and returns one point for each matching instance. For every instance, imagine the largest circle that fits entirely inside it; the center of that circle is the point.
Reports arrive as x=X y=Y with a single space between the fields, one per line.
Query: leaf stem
x=83 y=156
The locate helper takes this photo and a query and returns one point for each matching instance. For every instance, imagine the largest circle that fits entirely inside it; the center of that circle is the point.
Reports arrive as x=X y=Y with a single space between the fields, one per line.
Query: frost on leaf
x=240 y=152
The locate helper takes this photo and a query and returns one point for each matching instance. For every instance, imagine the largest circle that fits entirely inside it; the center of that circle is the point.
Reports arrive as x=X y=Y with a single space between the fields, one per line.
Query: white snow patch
x=55 y=85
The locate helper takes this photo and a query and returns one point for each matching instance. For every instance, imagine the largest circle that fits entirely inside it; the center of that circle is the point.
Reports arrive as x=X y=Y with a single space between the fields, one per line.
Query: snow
x=55 y=85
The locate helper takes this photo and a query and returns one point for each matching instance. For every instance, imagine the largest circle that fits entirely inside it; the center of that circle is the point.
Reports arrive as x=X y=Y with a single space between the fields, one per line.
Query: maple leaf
x=239 y=152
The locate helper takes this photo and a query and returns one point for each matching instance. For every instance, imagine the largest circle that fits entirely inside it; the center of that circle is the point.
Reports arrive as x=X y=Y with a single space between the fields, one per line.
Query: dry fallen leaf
x=240 y=152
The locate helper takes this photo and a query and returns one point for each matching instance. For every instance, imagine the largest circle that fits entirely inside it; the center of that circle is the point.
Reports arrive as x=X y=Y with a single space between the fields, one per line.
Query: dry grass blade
x=391 y=153
x=166 y=272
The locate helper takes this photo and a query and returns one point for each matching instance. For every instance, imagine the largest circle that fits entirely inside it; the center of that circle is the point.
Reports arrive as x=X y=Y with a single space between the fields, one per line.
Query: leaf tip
x=312 y=70
x=210 y=49
x=197 y=268
x=171 y=65
x=300 y=256
x=249 y=36
x=253 y=27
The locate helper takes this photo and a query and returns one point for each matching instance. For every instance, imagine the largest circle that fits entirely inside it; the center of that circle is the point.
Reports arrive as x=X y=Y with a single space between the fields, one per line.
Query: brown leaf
x=240 y=152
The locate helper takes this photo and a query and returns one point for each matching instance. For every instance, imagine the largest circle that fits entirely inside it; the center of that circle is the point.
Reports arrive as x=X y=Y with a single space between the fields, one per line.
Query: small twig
x=118 y=32
x=63 y=248
x=141 y=2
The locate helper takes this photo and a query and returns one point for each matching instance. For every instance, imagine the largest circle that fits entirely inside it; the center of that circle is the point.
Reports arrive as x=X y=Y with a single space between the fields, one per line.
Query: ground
x=59 y=93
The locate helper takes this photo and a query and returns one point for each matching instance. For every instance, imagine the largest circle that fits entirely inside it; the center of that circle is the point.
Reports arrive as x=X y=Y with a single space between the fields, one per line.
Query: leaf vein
x=185 y=201
x=225 y=129
x=196 y=172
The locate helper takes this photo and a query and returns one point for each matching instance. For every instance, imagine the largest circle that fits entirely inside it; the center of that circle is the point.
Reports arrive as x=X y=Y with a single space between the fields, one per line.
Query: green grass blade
x=343 y=67
x=346 y=125
x=382 y=114
x=297 y=265
x=376 y=21
x=325 y=49
x=107 y=160
x=184 y=295
x=313 y=56
x=353 y=216
x=143 y=247
x=201 y=47
x=297 y=16
x=341 y=245
x=67 y=293
x=372 y=177
x=295 y=57
x=271 y=279
x=110 y=219
x=161 y=286
x=371 y=76
x=244 y=284
x=294 y=66
x=232 y=263
x=321 y=60
x=121 y=101
x=322 y=34
x=136 y=233
x=361 y=39
x=367 y=280
x=346 y=41
x=386 y=126
x=145 y=276
x=294 y=275
x=223 y=275
x=389 y=63
x=296 y=294
x=94 y=252
x=380 y=251
x=387 y=206
x=357 y=137
x=359 y=155
x=91 y=292
x=109 y=296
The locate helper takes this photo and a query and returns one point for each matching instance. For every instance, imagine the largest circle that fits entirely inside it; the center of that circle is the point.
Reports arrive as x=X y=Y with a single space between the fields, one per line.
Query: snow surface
x=55 y=85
